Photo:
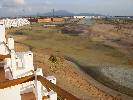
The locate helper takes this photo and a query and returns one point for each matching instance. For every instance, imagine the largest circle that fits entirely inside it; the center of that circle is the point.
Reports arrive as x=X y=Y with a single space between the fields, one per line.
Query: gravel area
x=121 y=75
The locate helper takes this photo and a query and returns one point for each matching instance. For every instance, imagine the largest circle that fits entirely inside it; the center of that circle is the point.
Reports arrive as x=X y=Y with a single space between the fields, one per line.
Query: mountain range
x=67 y=13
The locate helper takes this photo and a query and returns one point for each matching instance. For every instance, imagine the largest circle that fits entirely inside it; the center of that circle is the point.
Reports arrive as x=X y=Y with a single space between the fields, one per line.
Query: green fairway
x=80 y=48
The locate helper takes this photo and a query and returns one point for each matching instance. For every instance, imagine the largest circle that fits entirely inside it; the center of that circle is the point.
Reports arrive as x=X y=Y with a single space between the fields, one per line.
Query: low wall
x=10 y=93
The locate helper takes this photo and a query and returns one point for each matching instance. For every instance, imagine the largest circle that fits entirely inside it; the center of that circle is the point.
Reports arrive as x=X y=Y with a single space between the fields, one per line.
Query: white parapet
x=2 y=33
x=26 y=58
x=39 y=71
x=23 y=64
x=13 y=65
x=52 y=79
x=3 y=50
x=8 y=73
x=52 y=95
x=12 y=93
x=20 y=64
x=27 y=87
x=10 y=43
x=38 y=85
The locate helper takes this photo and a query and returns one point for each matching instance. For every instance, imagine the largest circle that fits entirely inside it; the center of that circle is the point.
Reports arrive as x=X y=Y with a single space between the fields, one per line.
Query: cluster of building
x=90 y=17
x=46 y=19
x=18 y=65
x=120 y=17
x=16 y=22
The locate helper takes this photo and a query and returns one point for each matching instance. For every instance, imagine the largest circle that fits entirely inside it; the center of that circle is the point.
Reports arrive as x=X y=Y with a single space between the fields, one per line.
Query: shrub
x=53 y=59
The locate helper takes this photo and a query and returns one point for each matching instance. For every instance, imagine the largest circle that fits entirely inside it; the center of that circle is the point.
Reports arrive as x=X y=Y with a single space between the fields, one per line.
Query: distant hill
x=59 y=13
x=67 y=13
x=88 y=14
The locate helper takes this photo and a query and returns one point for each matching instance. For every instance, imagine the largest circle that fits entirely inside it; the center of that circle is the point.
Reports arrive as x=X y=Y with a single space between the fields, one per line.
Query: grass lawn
x=80 y=48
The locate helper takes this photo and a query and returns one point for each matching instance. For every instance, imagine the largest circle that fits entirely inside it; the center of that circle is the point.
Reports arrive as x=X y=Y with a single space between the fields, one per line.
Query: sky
x=34 y=7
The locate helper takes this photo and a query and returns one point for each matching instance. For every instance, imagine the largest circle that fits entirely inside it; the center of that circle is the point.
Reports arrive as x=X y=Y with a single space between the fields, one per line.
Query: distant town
x=26 y=20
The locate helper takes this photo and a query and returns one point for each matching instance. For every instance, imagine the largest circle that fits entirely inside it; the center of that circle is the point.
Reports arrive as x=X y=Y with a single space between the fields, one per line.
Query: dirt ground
x=68 y=76
x=122 y=39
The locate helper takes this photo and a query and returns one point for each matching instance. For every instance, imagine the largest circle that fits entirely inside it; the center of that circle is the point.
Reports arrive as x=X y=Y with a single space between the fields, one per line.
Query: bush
x=53 y=59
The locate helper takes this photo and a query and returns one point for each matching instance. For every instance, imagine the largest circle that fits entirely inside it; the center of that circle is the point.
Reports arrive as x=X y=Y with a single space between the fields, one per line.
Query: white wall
x=11 y=93
x=10 y=43
x=2 y=33
x=52 y=95
x=3 y=49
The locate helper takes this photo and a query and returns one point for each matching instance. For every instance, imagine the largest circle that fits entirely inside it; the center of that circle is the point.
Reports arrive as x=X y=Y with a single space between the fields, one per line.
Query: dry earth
x=68 y=75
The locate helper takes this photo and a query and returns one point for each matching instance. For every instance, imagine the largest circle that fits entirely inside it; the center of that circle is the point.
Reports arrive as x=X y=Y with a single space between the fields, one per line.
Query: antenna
x=53 y=13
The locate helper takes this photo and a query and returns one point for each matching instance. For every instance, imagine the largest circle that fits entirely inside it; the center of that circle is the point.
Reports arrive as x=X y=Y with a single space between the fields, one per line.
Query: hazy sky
x=107 y=7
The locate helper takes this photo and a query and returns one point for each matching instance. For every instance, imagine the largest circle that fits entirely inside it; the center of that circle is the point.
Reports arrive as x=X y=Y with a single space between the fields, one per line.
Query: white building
x=79 y=17
x=91 y=17
x=18 y=22
x=19 y=65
